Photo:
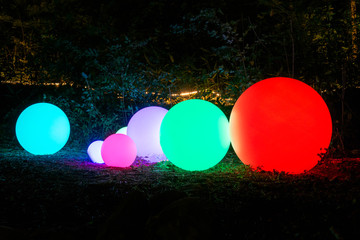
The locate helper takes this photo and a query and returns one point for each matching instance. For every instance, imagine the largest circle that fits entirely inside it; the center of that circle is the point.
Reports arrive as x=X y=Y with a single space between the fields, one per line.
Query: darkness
x=101 y=61
x=130 y=48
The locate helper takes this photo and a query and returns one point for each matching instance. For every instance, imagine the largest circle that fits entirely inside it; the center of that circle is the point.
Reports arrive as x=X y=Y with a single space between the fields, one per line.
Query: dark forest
x=102 y=61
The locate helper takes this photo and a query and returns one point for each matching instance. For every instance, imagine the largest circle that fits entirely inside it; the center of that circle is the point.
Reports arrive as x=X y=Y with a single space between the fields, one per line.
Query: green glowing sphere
x=194 y=135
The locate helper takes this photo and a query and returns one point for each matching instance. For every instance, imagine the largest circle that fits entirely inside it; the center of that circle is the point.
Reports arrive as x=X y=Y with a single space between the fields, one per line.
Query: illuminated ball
x=280 y=124
x=122 y=130
x=118 y=150
x=194 y=135
x=42 y=128
x=94 y=151
x=144 y=129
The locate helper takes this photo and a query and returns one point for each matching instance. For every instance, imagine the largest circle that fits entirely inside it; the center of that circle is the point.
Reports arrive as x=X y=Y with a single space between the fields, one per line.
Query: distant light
x=144 y=129
x=94 y=151
x=122 y=130
x=194 y=135
x=280 y=124
x=118 y=150
x=186 y=93
x=42 y=128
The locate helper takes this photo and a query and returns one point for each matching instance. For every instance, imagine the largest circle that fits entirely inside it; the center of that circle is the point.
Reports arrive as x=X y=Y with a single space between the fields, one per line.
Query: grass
x=66 y=196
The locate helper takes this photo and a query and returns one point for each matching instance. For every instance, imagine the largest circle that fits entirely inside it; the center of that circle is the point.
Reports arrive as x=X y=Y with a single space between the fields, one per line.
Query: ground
x=65 y=196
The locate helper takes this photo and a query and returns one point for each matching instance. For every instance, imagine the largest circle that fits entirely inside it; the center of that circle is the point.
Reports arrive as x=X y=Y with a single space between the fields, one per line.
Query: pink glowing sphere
x=118 y=150
x=144 y=129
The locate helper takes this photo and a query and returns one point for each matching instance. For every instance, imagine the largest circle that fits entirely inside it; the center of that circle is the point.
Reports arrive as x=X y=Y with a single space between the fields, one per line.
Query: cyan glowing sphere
x=194 y=135
x=94 y=151
x=122 y=130
x=144 y=129
x=280 y=124
x=118 y=150
x=42 y=128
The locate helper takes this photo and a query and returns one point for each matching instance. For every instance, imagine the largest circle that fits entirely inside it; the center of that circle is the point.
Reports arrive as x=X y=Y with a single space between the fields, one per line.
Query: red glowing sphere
x=118 y=150
x=280 y=124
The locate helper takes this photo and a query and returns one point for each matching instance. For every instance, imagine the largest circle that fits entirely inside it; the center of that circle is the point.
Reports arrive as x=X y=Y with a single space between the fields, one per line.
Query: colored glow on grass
x=118 y=150
x=144 y=129
x=194 y=135
x=42 y=128
x=280 y=124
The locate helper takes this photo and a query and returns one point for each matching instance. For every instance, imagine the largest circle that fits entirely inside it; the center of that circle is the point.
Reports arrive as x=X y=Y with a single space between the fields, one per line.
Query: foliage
x=125 y=55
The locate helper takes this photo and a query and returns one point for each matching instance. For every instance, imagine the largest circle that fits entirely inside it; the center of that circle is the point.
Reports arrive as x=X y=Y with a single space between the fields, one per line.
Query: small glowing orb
x=144 y=129
x=194 y=135
x=118 y=150
x=94 y=151
x=122 y=130
x=280 y=124
x=42 y=128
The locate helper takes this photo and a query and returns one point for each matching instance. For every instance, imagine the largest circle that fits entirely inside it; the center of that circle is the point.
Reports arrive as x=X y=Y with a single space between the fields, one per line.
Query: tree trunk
x=292 y=49
x=341 y=135
x=354 y=29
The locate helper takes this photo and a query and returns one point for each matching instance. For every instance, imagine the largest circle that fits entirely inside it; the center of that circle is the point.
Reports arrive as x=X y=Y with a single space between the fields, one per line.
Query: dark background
x=100 y=61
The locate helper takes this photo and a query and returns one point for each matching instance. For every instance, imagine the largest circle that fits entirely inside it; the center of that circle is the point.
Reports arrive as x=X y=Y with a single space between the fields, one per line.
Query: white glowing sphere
x=144 y=129
x=42 y=128
x=122 y=130
x=94 y=151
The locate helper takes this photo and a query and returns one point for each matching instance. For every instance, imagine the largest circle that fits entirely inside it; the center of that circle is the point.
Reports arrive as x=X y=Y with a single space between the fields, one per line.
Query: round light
x=122 y=130
x=194 y=135
x=144 y=129
x=42 y=128
x=280 y=124
x=94 y=151
x=118 y=150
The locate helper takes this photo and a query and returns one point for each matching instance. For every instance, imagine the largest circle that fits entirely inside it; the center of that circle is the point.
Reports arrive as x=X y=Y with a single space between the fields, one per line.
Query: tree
x=354 y=29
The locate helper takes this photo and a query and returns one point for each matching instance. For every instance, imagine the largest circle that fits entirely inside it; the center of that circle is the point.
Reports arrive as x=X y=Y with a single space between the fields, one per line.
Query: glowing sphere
x=118 y=150
x=94 y=151
x=144 y=129
x=42 y=128
x=280 y=124
x=194 y=135
x=122 y=130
